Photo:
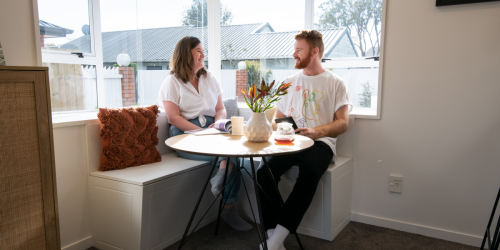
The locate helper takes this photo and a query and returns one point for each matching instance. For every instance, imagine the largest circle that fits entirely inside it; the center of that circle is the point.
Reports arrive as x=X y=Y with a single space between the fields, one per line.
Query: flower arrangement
x=267 y=95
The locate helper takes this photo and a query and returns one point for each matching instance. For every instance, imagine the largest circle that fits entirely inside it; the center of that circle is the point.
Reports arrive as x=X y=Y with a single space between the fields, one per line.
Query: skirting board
x=79 y=245
x=438 y=233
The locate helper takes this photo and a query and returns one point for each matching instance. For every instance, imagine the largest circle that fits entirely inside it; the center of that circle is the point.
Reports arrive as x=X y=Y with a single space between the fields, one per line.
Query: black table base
x=261 y=231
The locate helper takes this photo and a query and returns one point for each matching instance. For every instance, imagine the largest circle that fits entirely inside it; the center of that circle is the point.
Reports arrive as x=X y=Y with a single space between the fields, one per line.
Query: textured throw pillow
x=128 y=136
x=231 y=105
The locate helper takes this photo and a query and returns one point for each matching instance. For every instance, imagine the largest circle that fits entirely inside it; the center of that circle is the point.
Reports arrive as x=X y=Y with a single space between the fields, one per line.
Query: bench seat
x=170 y=166
x=148 y=206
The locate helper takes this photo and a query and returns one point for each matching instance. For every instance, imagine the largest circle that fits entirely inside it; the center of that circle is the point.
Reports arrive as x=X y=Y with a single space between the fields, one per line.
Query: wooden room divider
x=28 y=193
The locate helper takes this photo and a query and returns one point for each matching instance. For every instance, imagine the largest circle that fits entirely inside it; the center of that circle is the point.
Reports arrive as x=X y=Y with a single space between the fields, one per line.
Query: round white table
x=227 y=145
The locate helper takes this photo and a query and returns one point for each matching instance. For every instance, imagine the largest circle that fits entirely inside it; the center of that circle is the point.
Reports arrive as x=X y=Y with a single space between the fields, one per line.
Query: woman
x=192 y=99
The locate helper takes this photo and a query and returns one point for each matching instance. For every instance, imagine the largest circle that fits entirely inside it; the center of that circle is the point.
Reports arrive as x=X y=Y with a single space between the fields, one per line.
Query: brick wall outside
x=241 y=83
x=128 y=86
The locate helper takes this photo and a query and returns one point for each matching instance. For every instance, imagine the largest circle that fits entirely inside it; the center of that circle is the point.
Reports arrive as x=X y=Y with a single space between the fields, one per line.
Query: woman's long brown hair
x=182 y=62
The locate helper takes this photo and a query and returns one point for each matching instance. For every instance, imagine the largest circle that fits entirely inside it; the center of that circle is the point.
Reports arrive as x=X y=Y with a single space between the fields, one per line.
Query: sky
x=118 y=15
x=147 y=14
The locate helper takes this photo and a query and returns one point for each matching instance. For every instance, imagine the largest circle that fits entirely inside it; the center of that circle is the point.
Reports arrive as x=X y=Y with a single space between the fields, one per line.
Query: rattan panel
x=21 y=210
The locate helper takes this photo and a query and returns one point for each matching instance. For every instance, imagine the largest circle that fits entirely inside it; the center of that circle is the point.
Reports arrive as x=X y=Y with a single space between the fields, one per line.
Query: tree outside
x=362 y=18
x=197 y=14
x=256 y=73
x=365 y=98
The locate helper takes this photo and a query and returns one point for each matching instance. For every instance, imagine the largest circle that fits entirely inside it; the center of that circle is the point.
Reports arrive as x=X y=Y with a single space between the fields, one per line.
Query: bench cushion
x=231 y=105
x=170 y=165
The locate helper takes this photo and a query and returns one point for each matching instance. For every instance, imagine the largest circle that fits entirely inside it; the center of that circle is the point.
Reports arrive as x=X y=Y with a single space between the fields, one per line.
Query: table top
x=227 y=145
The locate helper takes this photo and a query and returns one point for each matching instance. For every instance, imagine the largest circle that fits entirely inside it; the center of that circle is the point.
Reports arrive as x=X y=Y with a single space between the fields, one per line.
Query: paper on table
x=209 y=131
x=222 y=126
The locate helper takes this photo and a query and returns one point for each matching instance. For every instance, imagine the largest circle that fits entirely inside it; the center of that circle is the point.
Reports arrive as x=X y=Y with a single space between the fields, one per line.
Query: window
x=63 y=21
x=72 y=77
x=125 y=46
x=257 y=40
x=355 y=28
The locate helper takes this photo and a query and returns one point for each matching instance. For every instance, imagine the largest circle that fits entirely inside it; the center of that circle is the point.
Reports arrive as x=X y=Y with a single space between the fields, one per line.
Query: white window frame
x=65 y=57
x=214 y=48
x=61 y=53
x=365 y=113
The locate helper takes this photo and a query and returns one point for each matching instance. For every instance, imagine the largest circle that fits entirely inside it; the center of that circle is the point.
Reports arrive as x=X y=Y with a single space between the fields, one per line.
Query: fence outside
x=354 y=77
x=74 y=87
x=112 y=87
x=228 y=83
x=148 y=85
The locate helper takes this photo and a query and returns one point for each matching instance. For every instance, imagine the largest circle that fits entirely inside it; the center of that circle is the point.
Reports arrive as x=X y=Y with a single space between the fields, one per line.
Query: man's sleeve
x=342 y=96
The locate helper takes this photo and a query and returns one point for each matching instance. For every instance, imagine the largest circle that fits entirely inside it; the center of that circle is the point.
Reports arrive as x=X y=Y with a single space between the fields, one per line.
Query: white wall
x=72 y=191
x=17 y=34
x=440 y=123
x=439 y=126
x=17 y=37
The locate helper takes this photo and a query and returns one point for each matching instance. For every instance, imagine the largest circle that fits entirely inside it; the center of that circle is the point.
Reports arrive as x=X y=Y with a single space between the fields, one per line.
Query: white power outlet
x=395 y=184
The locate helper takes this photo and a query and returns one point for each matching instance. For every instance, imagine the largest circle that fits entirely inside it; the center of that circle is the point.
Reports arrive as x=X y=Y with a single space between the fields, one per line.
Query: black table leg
x=197 y=204
x=261 y=218
x=211 y=204
x=221 y=206
x=250 y=202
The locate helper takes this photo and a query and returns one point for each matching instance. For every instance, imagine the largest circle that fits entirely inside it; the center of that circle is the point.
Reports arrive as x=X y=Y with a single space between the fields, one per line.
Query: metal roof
x=249 y=41
x=51 y=30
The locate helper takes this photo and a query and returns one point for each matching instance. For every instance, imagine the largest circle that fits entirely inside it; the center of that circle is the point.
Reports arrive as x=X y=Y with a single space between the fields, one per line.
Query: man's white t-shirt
x=313 y=100
x=191 y=103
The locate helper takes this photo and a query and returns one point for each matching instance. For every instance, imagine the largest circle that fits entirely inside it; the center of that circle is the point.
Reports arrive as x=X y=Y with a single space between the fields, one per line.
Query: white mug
x=237 y=125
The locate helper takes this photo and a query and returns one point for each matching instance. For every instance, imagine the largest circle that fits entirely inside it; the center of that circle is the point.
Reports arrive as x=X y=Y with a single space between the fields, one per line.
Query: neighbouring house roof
x=246 y=40
x=51 y=30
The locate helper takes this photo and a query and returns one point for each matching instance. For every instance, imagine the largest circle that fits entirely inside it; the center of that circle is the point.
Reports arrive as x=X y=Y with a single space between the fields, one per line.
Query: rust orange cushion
x=129 y=137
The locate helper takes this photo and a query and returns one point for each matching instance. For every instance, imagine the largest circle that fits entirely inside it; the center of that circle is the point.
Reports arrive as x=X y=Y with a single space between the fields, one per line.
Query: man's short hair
x=314 y=39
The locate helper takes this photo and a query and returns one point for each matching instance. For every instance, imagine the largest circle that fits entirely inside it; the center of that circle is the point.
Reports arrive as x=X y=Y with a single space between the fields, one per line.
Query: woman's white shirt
x=191 y=103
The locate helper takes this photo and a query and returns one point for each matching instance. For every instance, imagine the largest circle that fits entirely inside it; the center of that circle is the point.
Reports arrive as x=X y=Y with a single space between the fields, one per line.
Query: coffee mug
x=237 y=124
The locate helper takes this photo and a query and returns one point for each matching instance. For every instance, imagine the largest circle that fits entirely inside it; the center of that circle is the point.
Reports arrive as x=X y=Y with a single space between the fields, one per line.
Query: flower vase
x=258 y=128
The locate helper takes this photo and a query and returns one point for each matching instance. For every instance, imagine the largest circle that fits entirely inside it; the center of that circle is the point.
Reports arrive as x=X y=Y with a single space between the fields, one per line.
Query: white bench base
x=144 y=207
x=153 y=216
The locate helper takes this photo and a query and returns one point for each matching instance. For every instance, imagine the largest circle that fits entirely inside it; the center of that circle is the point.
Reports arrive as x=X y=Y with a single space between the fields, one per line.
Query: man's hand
x=308 y=132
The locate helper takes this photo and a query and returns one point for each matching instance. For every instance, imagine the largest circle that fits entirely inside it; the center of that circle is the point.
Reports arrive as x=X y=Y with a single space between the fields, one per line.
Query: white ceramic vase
x=258 y=128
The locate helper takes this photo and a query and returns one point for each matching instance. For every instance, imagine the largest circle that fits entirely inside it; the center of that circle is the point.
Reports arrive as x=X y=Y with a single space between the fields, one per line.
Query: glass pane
x=355 y=27
x=64 y=25
x=147 y=35
x=362 y=84
x=354 y=30
x=257 y=42
x=72 y=87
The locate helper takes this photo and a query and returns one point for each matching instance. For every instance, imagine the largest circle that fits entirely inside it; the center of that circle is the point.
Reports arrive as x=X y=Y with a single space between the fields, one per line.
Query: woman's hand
x=211 y=125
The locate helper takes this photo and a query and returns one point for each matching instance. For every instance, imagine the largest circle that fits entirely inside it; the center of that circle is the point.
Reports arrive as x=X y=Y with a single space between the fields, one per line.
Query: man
x=318 y=101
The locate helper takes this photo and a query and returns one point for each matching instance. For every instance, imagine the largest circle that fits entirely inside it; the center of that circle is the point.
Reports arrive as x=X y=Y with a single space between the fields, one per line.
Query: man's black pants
x=312 y=164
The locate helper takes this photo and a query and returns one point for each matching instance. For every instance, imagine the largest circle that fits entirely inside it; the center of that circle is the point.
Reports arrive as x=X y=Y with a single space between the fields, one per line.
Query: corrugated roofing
x=246 y=40
x=52 y=30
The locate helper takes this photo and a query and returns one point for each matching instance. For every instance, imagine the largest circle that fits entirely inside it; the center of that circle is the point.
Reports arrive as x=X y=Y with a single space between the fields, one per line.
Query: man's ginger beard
x=304 y=63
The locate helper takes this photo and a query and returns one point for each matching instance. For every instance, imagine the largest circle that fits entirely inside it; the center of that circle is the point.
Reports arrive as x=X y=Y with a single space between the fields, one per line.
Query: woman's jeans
x=231 y=195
